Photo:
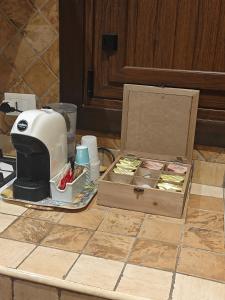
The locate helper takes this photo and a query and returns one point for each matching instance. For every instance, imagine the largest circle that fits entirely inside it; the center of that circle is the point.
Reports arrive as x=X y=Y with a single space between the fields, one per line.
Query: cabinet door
x=178 y=43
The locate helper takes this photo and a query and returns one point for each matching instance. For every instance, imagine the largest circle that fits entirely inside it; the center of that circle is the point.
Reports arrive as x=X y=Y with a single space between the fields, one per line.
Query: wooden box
x=158 y=124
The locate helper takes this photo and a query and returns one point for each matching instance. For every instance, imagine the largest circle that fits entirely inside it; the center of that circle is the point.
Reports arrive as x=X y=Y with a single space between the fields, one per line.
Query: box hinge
x=90 y=83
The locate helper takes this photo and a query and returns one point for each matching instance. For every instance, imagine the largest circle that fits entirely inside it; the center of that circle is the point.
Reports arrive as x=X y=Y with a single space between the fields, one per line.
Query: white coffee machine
x=40 y=140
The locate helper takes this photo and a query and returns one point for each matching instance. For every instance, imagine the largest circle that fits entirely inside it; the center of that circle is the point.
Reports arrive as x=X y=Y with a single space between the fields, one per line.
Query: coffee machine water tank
x=40 y=140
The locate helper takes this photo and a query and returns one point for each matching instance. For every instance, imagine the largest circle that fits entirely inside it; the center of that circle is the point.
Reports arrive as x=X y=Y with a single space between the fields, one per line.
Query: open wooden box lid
x=159 y=122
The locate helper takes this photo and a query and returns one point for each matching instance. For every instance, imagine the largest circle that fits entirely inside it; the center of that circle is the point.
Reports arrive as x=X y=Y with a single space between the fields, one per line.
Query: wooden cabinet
x=178 y=43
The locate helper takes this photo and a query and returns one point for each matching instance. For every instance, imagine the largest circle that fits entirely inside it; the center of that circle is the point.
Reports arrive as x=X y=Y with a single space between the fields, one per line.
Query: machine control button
x=22 y=125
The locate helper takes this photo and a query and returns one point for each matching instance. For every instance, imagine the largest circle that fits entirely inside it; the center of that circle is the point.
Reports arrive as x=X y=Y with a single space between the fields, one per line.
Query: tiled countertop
x=115 y=250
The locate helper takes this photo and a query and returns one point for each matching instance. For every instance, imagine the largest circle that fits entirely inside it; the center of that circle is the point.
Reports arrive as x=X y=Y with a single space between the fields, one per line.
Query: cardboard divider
x=147 y=173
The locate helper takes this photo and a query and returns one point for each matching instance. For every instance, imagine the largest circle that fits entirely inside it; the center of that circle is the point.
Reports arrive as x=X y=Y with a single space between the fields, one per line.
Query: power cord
x=6 y=108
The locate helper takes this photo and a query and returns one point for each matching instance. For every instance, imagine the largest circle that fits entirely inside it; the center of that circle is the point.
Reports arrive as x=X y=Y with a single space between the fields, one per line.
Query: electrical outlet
x=21 y=102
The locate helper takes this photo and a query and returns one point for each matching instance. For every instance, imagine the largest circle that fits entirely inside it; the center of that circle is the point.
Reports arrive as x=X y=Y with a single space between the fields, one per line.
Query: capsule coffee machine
x=40 y=140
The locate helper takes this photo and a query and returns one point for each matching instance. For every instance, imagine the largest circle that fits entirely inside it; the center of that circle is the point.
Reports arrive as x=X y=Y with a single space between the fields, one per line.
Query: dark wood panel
x=71 y=35
x=165 y=33
x=206 y=37
x=184 y=45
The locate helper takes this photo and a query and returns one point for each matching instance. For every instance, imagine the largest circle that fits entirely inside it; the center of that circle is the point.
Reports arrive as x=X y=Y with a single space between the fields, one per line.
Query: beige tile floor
x=147 y=256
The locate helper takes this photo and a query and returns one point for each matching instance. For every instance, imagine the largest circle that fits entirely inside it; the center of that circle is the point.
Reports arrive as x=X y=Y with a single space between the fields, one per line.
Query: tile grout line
x=126 y=262
x=177 y=259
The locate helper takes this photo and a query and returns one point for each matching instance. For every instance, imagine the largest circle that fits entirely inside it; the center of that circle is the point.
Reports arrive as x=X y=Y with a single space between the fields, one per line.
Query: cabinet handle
x=109 y=42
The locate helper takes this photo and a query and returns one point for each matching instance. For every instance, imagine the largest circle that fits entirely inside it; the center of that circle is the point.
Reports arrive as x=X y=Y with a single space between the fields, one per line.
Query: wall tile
x=39 y=78
x=24 y=290
x=51 y=57
x=19 y=53
x=51 y=96
x=39 y=33
x=9 y=77
x=7 y=31
x=5 y=288
x=19 y=12
x=50 y=11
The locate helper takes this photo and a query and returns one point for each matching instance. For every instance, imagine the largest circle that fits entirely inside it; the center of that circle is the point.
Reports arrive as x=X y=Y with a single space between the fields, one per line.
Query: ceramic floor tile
x=51 y=216
x=202 y=263
x=11 y=209
x=109 y=246
x=206 y=203
x=205 y=219
x=161 y=229
x=122 y=222
x=154 y=254
x=192 y=288
x=6 y=220
x=204 y=239
x=145 y=282
x=12 y=253
x=95 y=271
x=67 y=238
x=49 y=262
x=5 y=288
x=87 y=219
x=24 y=290
x=65 y=295
x=27 y=230
x=206 y=190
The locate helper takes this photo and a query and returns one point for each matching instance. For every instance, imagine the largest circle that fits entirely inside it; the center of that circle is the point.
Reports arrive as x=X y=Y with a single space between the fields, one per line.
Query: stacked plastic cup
x=82 y=159
x=91 y=142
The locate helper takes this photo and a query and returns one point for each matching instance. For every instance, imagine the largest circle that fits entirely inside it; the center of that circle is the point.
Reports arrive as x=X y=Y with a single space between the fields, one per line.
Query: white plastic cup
x=95 y=171
x=91 y=142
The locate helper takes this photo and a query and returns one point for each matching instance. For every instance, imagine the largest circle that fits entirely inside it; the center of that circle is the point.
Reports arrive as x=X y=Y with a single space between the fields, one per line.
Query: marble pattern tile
x=47 y=215
x=89 y=219
x=109 y=246
x=24 y=290
x=50 y=11
x=68 y=238
x=39 y=33
x=51 y=57
x=38 y=3
x=65 y=295
x=49 y=262
x=7 y=31
x=19 y=53
x=206 y=203
x=27 y=230
x=6 y=292
x=201 y=263
x=205 y=219
x=11 y=209
x=154 y=254
x=204 y=239
x=206 y=190
x=9 y=77
x=208 y=173
x=20 y=86
x=102 y=273
x=122 y=222
x=51 y=96
x=39 y=77
x=19 y=12
x=12 y=253
x=5 y=221
x=145 y=282
x=192 y=288
x=161 y=229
